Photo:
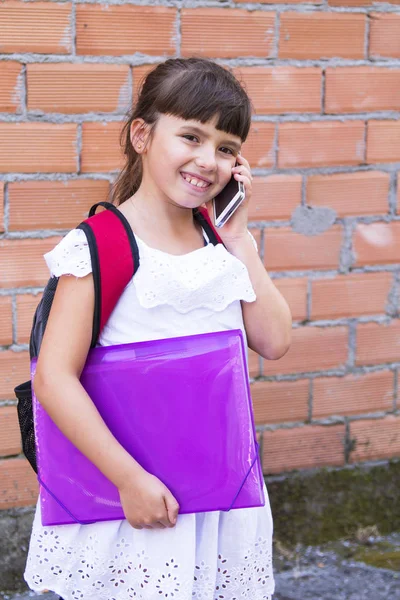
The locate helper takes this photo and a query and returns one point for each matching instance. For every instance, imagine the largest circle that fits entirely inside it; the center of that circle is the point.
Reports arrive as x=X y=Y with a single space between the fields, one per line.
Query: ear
x=139 y=132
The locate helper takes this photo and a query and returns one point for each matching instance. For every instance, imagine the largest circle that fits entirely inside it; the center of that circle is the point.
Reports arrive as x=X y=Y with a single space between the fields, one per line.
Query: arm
x=63 y=353
x=267 y=321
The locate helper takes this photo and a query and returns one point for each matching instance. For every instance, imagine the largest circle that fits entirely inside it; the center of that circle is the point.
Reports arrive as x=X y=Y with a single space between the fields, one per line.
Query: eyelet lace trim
x=71 y=256
x=206 y=278
x=209 y=277
x=86 y=571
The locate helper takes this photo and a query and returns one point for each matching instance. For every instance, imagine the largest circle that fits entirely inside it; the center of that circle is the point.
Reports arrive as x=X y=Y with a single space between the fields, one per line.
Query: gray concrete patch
x=310 y=220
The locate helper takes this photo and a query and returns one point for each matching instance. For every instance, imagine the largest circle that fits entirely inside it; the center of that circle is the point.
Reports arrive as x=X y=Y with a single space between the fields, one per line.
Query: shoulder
x=71 y=256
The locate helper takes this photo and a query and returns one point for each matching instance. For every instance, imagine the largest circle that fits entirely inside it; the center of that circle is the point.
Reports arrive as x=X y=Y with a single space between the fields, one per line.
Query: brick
x=375 y=439
x=349 y=194
x=283 y=1
x=280 y=90
x=41 y=27
x=119 y=30
x=286 y=250
x=78 y=88
x=350 y=295
x=259 y=146
x=377 y=243
x=26 y=306
x=22 y=263
x=101 y=150
x=361 y=89
x=322 y=35
x=18 y=484
x=275 y=197
x=6 y=335
x=294 y=290
x=35 y=205
x=383 y=141
x=384 y=35
x=348 y=3
x=303 y=448
x=254 y=363
x=276 y=402
x=2 y=225
x=10 y=86
x=14 y=369
x=313 y=349
x=353 y=394
x=221 y=33
x=37 y=147
x=10 y=439
x=321 y=143
x=377 y=343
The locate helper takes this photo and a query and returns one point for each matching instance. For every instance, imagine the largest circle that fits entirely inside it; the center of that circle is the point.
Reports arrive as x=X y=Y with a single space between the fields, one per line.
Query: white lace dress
x=206 y=556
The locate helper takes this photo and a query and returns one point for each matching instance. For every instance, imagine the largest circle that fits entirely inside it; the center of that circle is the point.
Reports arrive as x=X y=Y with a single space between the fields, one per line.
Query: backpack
x=115 y=259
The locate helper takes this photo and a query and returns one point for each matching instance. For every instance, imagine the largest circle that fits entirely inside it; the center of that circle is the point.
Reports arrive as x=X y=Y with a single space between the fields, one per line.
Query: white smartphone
x=227 y=201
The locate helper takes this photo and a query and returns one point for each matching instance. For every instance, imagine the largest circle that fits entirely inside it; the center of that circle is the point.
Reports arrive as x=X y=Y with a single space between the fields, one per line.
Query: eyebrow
x=200 y=131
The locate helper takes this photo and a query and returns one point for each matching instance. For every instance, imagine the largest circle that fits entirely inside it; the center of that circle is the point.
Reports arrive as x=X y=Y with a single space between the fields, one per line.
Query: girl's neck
x=161 y=224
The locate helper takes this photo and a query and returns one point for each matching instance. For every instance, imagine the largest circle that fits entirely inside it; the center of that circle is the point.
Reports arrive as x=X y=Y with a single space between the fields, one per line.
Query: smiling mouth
x=196 y=182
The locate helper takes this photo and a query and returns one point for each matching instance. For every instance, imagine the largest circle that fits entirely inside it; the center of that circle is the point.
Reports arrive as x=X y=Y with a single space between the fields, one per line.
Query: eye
x=226 y=150
x=190 y=137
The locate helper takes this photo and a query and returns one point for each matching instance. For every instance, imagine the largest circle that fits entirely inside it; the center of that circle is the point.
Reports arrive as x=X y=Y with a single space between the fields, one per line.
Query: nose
x=206 y=159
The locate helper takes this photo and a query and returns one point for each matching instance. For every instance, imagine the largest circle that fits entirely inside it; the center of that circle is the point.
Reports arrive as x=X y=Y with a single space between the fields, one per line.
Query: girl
x=182 y=142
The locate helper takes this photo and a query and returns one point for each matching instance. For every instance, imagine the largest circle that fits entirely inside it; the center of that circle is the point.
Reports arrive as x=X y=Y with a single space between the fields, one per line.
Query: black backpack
x=115 y=259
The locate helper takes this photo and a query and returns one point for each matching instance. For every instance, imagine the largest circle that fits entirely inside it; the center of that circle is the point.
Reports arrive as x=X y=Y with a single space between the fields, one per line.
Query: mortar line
x=323 y=91
x=24 y=92
x=367 y=36
x=304 y=183
x=39 y=116
x=73 y=29
x=78 y=145
x=347 y=442
x=309 y=300
x=6 y=208
x=352 y=345
x=14 y=319
x=310 y=400
x=277 y=35
x=393 y=193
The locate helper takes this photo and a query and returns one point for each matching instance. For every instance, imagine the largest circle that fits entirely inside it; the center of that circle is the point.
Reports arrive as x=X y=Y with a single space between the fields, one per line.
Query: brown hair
x=191 y=88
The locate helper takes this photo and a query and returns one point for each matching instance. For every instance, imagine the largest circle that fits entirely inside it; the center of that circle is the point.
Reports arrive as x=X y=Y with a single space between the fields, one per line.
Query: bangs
x=203 y=95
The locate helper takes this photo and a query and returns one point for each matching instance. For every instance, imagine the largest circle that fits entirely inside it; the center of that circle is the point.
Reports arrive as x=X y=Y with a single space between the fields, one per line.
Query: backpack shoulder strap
x=202 y=217
x=115 y=259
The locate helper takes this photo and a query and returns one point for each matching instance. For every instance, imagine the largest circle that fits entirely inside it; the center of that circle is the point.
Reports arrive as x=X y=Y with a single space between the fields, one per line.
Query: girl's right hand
x=147 y=503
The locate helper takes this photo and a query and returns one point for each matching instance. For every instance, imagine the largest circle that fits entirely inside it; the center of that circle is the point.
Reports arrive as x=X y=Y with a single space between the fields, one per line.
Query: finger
x=242 y=170
x=242 y=161
x=156 y=525
x=172 y=508
x=246 y=181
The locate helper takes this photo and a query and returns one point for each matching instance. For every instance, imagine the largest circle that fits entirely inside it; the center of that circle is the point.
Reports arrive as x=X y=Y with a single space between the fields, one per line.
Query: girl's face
x=187 y=163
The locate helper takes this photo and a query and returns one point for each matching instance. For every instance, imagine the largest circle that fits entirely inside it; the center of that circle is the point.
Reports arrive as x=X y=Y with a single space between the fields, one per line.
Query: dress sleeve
x=71 y=256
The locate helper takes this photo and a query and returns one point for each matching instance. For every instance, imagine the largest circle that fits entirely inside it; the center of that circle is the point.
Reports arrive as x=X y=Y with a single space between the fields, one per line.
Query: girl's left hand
x=236 y=227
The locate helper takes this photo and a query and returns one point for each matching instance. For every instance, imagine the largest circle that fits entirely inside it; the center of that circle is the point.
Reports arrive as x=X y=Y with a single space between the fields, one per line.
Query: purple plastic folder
x=181 y=407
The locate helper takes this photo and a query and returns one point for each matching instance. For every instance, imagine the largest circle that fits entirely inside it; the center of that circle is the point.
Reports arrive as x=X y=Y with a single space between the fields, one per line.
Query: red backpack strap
x=203 y=218
x=115 y=260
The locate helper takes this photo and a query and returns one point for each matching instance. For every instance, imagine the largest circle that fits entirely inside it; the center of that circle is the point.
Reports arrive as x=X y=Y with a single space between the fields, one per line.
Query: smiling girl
x=182 y=141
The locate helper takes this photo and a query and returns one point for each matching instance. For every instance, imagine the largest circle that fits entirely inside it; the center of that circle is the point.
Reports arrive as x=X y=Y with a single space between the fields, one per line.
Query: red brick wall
x=324 y=78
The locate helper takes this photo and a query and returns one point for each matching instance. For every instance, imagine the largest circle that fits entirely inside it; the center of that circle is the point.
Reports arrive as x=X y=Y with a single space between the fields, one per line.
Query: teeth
x=197 y=182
